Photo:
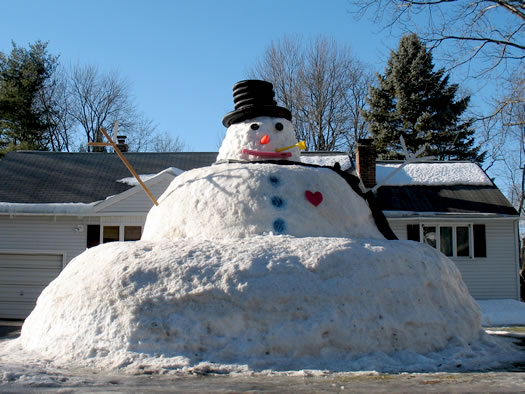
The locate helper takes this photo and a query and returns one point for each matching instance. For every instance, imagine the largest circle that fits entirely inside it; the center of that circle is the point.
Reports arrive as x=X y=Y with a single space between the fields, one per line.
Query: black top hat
x=254 y=98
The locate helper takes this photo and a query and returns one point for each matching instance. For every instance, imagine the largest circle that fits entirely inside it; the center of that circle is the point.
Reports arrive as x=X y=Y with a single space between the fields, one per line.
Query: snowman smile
x=276 y=155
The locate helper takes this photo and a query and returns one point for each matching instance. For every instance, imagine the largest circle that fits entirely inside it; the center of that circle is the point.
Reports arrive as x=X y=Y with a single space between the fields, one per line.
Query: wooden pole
x=125 y=161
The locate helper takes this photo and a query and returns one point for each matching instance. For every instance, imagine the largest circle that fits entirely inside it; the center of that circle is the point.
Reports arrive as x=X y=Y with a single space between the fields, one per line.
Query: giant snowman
x=258 y=262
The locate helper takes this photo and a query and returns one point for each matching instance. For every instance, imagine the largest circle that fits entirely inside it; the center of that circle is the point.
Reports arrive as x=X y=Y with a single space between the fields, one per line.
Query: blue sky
x=181 y=58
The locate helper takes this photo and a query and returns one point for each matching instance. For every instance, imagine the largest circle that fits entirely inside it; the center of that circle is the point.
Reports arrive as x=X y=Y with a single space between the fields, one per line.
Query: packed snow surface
x=50 y=208
x=238 y=200
x=132 y=181
x=328 y=160
x=432 y=174
x=502 y=312
x=260 y=303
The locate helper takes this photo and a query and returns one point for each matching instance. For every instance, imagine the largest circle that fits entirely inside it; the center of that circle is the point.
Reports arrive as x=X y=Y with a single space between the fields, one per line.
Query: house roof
x=466 y=199
x=430 y=173
x=33 y=177
x=439 y=187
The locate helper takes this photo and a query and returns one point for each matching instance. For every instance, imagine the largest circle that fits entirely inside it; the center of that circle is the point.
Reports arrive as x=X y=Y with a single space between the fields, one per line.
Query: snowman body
x=237 y=200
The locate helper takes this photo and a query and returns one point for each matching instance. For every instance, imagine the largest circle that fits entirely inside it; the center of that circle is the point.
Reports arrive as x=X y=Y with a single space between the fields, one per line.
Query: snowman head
x=258 y=129
x=260 y=138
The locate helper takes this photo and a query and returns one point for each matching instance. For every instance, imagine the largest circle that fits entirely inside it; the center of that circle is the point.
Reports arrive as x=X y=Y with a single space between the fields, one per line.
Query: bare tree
x=166 y=143
x=141 y=132
x=322 y=85
x=98 y=100
x=355 y=101
x=489 y=30
x=512 y=120
x=56 y=104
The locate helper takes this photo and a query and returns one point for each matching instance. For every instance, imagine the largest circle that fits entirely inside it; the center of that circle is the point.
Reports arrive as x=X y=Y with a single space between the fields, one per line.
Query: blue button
x=279 y=225
x=278 y=202
x=274 y=180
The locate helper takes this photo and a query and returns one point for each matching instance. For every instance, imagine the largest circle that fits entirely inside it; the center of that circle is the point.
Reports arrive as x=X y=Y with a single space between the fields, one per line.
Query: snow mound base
x=268 y=302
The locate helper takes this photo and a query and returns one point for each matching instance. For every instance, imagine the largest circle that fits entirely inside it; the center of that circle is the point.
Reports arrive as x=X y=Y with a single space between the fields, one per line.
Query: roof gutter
x=400 y=215
x=51 y=209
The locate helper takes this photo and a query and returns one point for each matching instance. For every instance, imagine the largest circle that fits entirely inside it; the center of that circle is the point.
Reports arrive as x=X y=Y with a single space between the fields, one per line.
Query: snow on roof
x=51 y=208
x=432 y=174
x=434 y=214
x=328 y=160
x=132 y=181
x=73 y=208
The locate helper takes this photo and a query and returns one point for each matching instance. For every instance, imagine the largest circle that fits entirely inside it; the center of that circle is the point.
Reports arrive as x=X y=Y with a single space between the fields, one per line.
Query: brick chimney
x=366 y=161
x=121 y=143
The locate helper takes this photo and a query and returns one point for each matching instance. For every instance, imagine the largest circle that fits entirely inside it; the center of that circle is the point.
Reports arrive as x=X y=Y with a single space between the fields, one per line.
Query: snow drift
x=266 y=302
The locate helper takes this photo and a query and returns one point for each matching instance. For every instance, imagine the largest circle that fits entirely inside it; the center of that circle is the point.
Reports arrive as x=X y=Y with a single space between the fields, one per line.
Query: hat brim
x=250 y=112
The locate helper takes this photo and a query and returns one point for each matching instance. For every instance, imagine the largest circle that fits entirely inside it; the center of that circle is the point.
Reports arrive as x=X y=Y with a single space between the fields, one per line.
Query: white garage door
x=23 y=276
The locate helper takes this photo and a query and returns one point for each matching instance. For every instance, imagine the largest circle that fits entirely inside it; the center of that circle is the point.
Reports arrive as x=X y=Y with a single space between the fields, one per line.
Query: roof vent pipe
x=121 y=143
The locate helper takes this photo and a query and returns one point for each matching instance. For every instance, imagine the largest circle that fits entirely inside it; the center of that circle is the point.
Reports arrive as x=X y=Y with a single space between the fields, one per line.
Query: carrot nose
x=265 y=139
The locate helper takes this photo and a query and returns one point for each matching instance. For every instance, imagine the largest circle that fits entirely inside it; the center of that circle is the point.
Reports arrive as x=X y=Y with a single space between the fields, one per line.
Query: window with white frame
x=453 y=240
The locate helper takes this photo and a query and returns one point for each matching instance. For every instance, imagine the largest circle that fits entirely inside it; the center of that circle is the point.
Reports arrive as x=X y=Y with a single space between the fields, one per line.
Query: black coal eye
x=254 y=126
x=279 y=126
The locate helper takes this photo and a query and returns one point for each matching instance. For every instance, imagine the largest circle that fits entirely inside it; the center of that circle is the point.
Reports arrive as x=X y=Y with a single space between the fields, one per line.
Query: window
x=111 y=234
x=429 y=235
x=93 y=235
x=462 y=241
x=445 y=240
x=132 y=233
x=413 y=232
x=480 y=241
x=452 y=240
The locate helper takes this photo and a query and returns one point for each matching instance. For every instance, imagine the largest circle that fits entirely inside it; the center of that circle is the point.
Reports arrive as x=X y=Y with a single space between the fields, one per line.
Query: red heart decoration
x=314 y=198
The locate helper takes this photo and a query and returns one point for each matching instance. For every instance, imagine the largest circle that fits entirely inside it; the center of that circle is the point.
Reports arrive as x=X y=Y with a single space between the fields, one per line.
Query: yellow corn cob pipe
x=300 y=144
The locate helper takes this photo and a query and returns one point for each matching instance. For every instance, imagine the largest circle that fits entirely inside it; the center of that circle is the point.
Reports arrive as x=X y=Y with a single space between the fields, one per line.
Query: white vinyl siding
x=23 y=276
x=43 y=233
x=138 y=201
x=30 y=235
x=491 y=277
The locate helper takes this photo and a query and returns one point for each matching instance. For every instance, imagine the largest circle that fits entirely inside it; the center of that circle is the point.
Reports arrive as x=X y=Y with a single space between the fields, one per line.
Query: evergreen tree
x=416 y=102
x=23 y=75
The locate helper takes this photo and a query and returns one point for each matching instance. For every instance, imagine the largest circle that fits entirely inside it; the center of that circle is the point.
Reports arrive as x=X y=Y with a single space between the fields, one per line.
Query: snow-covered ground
x=502 y=313
x=25 y=374
x=266 y=304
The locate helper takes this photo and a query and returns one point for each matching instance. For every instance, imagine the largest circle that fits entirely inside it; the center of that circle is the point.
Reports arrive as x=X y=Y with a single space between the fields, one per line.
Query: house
x=456 y=208
x=54 y=205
